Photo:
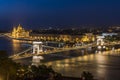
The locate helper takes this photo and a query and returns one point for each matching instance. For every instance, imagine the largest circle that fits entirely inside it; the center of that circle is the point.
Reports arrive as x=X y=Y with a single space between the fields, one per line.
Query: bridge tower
x=100 y=42
x=37 y=47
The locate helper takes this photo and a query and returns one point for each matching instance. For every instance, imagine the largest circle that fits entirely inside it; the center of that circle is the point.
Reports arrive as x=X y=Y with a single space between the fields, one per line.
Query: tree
x=8 y=68
x=87 y=76
x=41 y=72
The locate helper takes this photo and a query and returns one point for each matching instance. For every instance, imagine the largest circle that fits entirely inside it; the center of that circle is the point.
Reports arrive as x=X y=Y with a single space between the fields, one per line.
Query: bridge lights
x=104 y=47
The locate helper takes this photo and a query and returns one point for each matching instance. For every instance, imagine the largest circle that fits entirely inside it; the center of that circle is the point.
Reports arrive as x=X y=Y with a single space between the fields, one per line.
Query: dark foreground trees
x=41 y=72
x=8 y=68
x=87 y=76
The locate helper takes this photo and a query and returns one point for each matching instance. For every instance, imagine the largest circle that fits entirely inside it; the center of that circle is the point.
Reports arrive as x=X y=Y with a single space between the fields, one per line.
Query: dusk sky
x=35 y=14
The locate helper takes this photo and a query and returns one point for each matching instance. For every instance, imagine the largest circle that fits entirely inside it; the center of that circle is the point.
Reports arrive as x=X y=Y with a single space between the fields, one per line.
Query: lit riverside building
x=19 y=32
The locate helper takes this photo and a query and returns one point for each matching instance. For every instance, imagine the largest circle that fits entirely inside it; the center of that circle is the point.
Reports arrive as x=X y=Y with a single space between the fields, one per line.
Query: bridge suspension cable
x=22 y=52
x=51 y=47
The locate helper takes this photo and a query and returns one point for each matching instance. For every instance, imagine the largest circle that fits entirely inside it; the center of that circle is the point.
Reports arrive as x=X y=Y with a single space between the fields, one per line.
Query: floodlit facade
x=88 y=37
x=19 y=32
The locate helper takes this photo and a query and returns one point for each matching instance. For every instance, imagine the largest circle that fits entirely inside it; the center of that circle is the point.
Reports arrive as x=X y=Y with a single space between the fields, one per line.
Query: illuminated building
x=85 y=39
x=19 y=32
x=88 y=37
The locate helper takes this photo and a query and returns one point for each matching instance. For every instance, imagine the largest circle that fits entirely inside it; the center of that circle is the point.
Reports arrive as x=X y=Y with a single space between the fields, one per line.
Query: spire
x=19 y=25
x=14 y=28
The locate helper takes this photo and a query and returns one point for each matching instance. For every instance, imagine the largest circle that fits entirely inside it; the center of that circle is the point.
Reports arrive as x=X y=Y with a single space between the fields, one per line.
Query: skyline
x=59 y=39
x=35 y=14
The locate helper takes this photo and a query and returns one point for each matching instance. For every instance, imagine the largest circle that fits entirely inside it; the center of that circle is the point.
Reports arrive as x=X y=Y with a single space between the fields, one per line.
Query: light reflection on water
x=102 y=67
x=16 y=45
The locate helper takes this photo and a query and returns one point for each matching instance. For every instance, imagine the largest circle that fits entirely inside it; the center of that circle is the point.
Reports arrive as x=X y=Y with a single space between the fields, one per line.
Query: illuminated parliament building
x=19 y=32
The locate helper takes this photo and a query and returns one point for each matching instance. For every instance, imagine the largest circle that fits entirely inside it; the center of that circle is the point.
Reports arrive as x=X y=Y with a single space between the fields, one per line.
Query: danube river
x=12 y=46
x=103 y=67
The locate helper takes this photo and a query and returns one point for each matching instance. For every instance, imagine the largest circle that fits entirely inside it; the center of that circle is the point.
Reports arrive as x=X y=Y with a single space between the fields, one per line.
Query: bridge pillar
x=36 y=60
x=37 y=47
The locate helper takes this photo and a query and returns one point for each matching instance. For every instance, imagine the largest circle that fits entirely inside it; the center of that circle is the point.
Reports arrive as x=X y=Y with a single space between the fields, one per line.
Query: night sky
x=36 y=14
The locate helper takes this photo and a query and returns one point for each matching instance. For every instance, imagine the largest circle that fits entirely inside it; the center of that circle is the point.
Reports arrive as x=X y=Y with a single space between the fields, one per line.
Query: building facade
x=19 y=32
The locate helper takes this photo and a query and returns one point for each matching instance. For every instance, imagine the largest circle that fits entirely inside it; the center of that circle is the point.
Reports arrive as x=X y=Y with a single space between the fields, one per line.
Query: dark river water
x=12 y=46
x=101 y=66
